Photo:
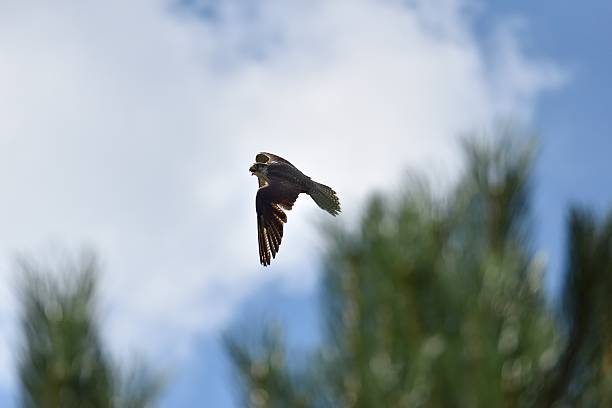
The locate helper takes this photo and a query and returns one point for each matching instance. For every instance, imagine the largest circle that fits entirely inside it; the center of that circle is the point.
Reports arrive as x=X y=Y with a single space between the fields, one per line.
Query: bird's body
x=280 y=183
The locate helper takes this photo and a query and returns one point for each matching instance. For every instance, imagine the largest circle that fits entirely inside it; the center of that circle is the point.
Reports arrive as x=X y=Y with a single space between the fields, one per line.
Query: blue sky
x=573 y=123
x=117 y=118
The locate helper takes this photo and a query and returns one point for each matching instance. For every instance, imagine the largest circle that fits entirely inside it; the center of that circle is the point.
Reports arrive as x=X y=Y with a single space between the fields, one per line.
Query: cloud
x=131 y=126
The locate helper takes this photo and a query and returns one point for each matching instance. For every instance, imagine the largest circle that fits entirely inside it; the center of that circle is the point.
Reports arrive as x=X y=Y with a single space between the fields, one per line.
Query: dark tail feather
x=325 y=198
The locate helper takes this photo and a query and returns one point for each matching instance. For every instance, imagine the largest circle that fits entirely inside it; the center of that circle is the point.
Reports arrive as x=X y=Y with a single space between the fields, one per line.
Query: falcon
x=280 y=183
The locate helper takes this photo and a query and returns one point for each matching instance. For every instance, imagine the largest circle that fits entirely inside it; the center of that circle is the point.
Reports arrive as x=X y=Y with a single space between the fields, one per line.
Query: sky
x=129 y=127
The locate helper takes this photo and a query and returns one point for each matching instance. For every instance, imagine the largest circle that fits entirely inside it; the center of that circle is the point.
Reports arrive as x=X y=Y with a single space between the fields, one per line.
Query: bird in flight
x=280 y=183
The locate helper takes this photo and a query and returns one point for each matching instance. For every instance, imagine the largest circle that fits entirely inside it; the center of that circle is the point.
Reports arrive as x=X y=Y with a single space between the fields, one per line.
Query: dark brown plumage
x=280 y=183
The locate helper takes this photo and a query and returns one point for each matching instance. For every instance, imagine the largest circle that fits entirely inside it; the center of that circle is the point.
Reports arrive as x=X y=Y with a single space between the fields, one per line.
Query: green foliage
x=584 y=371
x=268 y=373
x=437 y=301
x=62 y=361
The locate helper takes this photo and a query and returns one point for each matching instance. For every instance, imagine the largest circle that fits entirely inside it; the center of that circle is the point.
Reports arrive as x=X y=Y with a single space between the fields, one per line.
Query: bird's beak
x=252 y=170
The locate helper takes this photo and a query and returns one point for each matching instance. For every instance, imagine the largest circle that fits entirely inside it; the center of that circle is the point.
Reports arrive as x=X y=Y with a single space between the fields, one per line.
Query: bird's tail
x=325 y=198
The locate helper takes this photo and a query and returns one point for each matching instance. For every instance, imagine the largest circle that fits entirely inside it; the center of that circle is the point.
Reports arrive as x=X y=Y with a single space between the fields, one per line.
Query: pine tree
x=583 y=376
x=62 y=360
x=437 y=301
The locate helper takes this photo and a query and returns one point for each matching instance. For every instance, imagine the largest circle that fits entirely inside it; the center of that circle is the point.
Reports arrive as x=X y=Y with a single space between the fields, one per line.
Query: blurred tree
x=437 y=301
x=583 y=376
x=62 y=361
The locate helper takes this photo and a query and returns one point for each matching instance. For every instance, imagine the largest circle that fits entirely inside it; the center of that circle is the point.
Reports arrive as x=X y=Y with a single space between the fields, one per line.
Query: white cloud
x=131 y=126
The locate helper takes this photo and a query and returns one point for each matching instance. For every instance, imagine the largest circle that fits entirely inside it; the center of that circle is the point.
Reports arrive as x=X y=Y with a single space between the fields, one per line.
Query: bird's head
x=258 y=169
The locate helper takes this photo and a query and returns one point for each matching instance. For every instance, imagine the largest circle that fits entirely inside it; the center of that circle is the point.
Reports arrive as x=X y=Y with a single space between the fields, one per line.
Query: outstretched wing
x=271 y=217
x=269 y=158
